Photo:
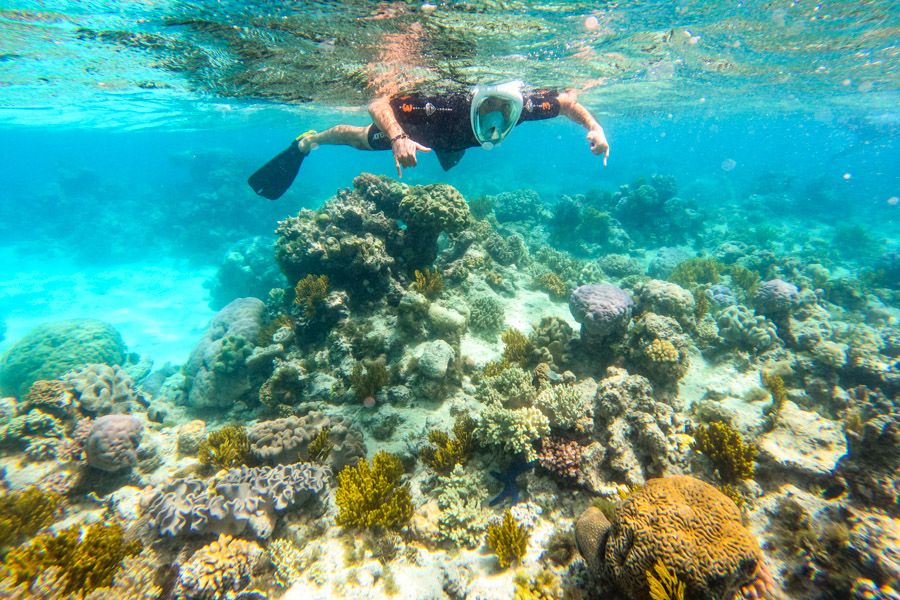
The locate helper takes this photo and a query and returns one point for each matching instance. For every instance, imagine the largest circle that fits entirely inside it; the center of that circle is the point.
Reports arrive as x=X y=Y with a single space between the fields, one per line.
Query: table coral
x=683 y=523
x=220 y=569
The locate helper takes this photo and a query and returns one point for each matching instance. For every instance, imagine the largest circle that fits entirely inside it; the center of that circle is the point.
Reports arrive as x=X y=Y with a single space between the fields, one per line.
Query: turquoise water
x=129 y=131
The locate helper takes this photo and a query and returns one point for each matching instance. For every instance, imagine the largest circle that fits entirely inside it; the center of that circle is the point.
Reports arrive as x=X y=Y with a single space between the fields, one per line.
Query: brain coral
x=50 y=350
x=112 y=443
x=602 y=309
x=438 y=207
x=683 y=523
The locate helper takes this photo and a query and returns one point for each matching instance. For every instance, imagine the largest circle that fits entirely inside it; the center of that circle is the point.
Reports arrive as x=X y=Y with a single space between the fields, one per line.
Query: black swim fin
x=274 y=178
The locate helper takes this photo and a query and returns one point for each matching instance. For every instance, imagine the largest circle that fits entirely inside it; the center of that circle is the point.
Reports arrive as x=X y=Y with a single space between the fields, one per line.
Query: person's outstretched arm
x=569 y=106
x=403 y=147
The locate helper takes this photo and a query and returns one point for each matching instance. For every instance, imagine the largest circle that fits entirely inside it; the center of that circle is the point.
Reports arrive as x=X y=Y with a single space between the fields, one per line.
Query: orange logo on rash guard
x=545 y=105
x=406 y=107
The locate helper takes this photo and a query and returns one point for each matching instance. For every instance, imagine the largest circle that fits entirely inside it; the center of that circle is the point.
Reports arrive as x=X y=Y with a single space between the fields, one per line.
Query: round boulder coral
x=602 y=309
x=688 y=526
x=776 y=298
x=112 y=443
x=438 y=207
x=52 y=349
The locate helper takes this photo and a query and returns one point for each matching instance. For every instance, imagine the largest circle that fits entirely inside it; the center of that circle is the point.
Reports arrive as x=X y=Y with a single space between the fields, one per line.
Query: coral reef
x=246 y=270
x=234 y=501
x=710 y=552
x=49 y=351
x=372 y=496
x=460 y=496
x=739 y=327
x=776 y=298
x=635 y=435
x=508 y=540
x=113 y=442
x=561 y=458
x=310 y=292
x=220 y=569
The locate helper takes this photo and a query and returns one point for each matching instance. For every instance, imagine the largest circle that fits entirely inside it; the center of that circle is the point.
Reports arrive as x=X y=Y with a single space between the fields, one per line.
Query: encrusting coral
x=86 y=562
x=373 y=496
x=730 y=455
x=25 y=512
x=508 y=540
x=225 y=448
x=685 y=524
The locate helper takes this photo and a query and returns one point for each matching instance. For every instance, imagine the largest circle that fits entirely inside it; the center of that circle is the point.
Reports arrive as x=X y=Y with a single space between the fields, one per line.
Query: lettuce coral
x=372 y=496
x=508 y=540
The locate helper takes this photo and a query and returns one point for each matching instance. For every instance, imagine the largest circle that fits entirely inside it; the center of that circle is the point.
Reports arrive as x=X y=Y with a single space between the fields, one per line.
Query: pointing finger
x=399 y=170
x=422 y=148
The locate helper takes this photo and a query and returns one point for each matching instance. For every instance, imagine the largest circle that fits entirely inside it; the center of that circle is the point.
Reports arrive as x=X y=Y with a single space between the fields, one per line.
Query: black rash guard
x=443 y=123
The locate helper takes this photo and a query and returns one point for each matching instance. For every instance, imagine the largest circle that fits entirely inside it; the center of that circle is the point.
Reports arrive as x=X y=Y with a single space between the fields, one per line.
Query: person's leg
x=339 y=135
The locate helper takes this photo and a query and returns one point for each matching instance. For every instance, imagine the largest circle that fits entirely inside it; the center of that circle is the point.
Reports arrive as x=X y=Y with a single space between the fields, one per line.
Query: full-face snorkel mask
x=495 y=111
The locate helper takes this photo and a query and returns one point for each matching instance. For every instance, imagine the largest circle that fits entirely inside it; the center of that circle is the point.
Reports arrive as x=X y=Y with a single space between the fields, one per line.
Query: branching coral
x=310 y=292
x=429 y=283
x=726 y=449
x=372 y=496
x=228 y=447
x=508 y=540
x=446 y=452
x=24 y=513
x=460 y=495
x=85 y=563
x=561 y=458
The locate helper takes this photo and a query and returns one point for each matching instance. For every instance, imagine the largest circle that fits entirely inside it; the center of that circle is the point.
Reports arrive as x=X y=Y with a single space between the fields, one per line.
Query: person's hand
x=405 y=153
x=599 y=145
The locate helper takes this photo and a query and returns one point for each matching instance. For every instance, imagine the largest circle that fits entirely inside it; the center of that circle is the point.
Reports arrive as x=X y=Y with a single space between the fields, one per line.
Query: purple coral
x=112 y=443
x=561 y=458
x=776 y=298
x=602 y=309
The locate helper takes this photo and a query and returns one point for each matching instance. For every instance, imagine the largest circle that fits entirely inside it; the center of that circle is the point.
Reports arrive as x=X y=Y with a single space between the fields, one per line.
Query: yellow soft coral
x=726 y=449
x=517 y=348
x=309 y=293
x=508 y=540
x=228 y=447
x=446 y=452
x=371 y=496
x=23 y=513
x=683 y=523
x=84 y=563
x=429 y=283
x=553 y=284
x=661 y=351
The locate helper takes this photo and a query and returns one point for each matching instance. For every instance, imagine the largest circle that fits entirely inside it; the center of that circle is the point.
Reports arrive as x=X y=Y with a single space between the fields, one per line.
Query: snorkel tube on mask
x=495 y=111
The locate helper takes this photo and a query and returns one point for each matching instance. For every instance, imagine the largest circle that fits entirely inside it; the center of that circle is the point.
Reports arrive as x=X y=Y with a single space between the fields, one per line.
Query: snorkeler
x=447 y=124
